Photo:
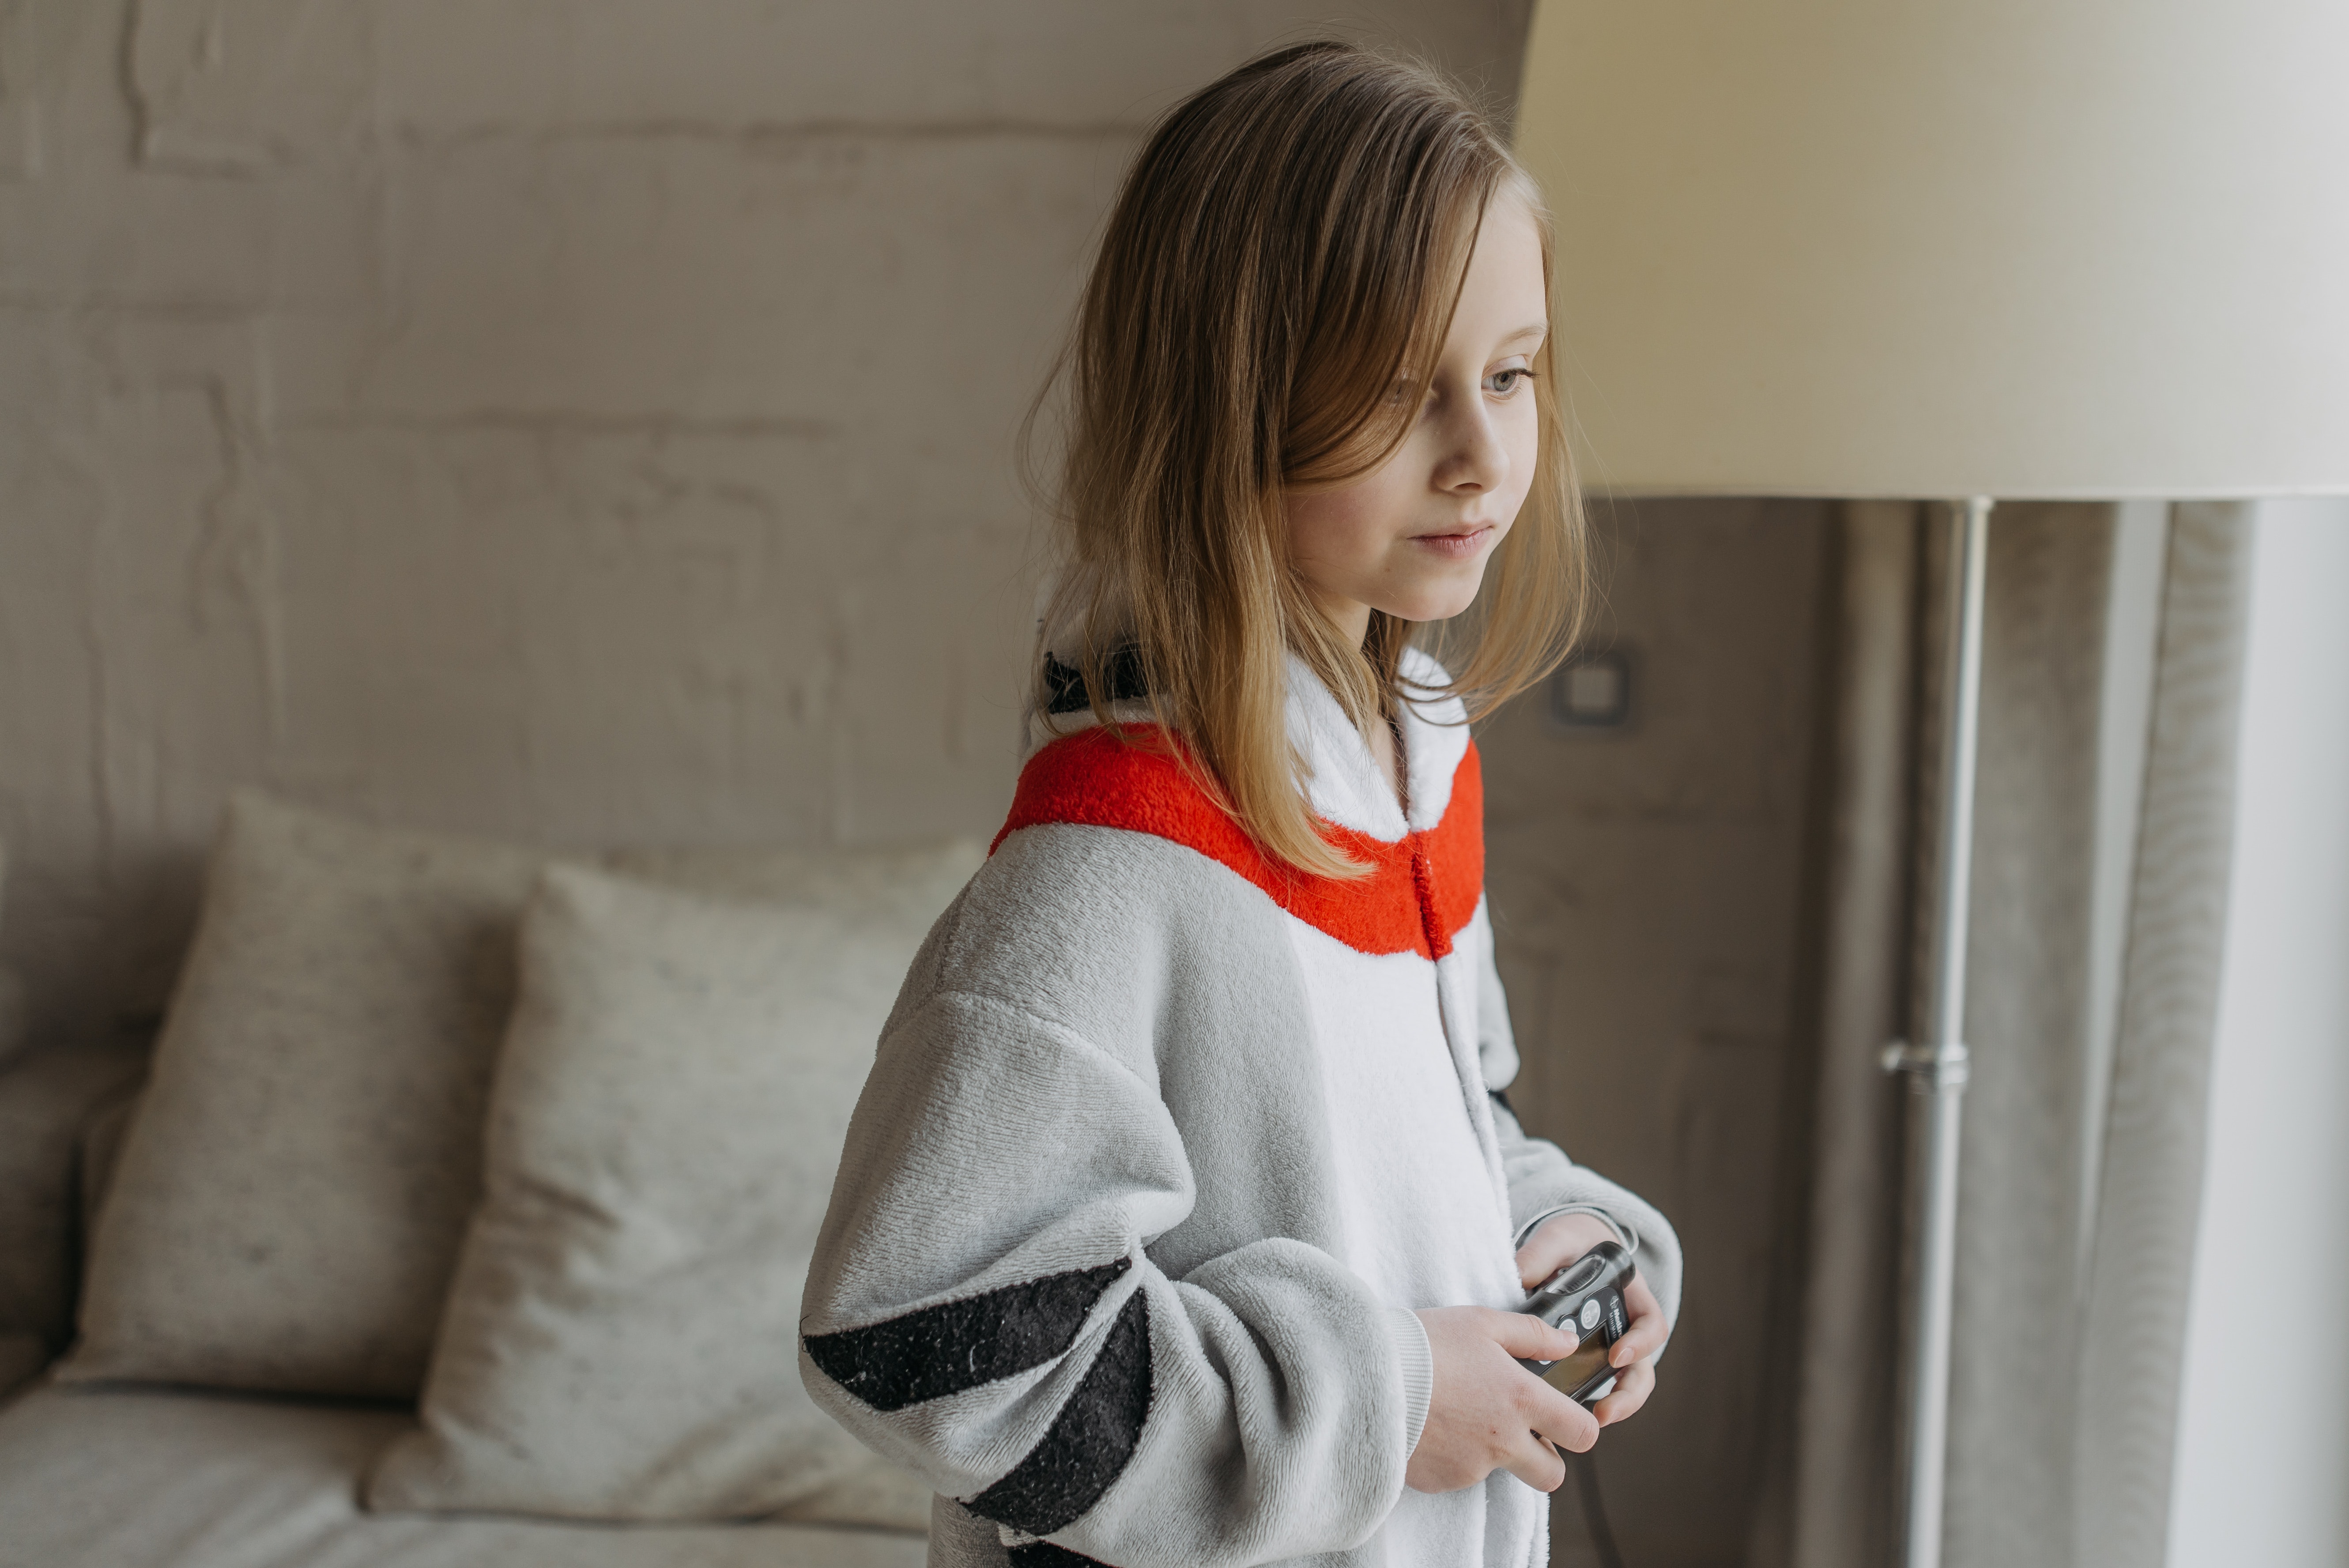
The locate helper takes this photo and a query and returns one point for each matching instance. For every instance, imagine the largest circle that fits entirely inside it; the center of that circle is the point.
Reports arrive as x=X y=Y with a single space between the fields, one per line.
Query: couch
x=458 y=1216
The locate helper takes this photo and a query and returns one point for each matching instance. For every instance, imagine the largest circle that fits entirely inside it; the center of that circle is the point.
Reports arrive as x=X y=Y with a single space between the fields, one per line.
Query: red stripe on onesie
x=1421 y=890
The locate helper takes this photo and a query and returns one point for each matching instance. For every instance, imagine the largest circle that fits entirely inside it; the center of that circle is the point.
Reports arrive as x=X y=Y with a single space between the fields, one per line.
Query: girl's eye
x=1504 y=382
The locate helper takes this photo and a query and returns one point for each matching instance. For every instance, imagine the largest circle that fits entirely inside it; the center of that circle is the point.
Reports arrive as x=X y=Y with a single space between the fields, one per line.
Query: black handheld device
x=1586 y=1299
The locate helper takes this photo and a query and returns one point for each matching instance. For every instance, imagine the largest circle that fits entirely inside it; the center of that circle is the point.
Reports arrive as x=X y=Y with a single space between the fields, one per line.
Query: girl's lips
x=1466 y=541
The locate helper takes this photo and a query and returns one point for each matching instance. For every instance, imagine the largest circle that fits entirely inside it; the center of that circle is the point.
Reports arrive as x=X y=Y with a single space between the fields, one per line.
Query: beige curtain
x=2099 y=875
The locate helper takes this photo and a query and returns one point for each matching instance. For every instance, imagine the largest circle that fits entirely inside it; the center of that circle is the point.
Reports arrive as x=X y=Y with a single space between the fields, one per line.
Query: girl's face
x=1411 y=536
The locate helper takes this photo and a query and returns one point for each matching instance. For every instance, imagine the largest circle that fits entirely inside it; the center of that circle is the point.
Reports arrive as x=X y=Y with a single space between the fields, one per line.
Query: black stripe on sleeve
x=958 y=1344
x=1090 y=1441
x=1044 y=1555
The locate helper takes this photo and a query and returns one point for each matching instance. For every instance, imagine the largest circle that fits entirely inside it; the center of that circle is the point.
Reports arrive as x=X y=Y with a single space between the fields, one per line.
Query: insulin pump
x=1586 y=1299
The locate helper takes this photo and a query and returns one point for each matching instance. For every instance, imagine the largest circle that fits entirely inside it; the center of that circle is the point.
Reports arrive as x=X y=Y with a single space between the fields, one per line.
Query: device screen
x=1579 y=1368
x=1590 y=1358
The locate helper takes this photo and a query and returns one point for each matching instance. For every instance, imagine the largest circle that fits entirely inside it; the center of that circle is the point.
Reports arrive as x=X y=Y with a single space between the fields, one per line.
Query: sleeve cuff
x=1409 y=1337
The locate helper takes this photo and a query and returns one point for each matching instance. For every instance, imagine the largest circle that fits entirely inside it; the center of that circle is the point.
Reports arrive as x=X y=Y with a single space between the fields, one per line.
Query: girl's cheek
x=1522 y=462
x=1364 y=518
x=1336 y=536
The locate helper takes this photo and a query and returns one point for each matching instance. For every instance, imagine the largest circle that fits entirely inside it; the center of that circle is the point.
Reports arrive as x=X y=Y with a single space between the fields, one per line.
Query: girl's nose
x=1474 y=460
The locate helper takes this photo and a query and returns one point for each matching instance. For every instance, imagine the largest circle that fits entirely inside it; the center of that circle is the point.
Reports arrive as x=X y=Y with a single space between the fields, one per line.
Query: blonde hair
x=1291 y=242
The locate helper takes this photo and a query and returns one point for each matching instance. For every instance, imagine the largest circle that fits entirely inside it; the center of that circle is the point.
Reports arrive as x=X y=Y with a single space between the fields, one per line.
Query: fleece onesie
x=1162 y=1146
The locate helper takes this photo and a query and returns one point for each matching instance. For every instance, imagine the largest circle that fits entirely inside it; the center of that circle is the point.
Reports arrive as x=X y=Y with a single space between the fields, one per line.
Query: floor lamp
x=2042 y=249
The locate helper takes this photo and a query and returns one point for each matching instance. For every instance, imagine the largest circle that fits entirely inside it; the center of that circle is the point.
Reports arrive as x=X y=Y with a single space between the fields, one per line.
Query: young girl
x=1183 y=1220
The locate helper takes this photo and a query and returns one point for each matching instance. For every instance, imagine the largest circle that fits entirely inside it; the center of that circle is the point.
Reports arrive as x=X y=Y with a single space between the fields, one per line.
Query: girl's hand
x=1566 y=1237
x=1486 y=1412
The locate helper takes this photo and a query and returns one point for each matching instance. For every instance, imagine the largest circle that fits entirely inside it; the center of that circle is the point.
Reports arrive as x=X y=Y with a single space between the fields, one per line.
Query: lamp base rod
x=1937 y=1071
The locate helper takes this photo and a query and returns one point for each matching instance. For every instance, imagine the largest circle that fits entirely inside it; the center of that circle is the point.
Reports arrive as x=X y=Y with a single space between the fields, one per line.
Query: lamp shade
x=2014 y=248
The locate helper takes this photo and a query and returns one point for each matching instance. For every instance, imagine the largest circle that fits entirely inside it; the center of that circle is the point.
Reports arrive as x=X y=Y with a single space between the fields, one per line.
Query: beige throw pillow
x=295 y=1184
x=621 y=1338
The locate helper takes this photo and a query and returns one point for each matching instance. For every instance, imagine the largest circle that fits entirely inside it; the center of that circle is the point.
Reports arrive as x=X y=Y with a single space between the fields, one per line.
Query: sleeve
x=982 y=1309
x=1542 y=1181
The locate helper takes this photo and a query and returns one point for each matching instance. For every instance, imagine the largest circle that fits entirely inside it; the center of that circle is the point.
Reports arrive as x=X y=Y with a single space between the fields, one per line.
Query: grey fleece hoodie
x=1142 y=1188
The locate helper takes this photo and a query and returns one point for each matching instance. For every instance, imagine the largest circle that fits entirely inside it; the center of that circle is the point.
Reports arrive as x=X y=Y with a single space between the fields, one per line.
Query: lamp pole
x=1937 y=1068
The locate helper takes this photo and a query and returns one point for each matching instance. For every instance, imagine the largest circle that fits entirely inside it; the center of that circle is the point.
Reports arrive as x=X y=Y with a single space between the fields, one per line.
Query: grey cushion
x=102 y=1132
x=667 y=1119
x=107 y=1477
x=46 y=1098
x=291 y=1190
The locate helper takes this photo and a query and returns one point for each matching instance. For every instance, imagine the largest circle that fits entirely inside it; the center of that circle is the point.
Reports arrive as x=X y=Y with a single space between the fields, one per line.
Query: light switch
x=1592 y=691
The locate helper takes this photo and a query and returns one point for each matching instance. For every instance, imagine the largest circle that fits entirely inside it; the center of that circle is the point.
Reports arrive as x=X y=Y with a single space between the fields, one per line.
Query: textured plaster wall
x=590 y=420
x=585 y=419
x=1648 y=896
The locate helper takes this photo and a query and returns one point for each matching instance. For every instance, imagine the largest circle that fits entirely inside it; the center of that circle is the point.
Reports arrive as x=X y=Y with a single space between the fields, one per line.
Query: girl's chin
x=1440 y=598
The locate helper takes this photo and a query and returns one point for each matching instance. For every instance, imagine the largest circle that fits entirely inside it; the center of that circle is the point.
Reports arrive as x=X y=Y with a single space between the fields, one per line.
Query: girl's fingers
x=1524 y=1335
x=1537 y=1464
x=1556 y=1419
x=1632 y=1386
x=1561 y=1239
x=1646 y=1334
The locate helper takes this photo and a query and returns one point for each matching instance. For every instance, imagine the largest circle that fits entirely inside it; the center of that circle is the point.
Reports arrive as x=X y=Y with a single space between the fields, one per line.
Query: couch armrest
x=46 y=1097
